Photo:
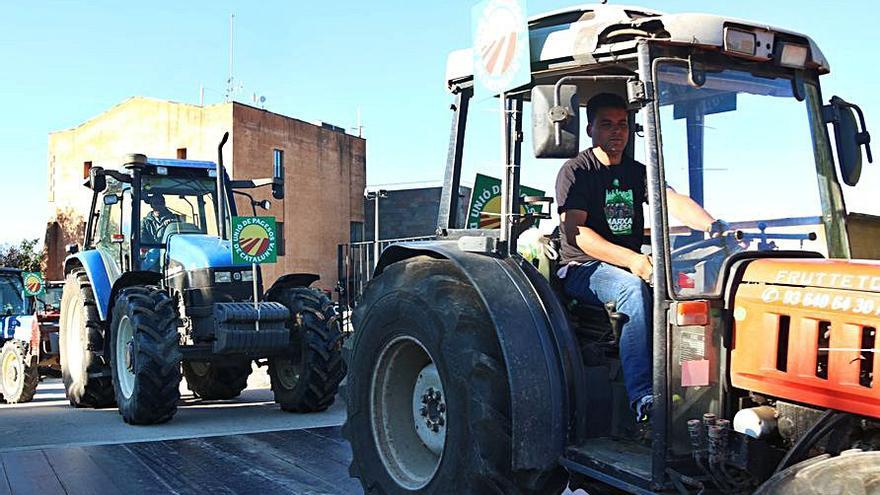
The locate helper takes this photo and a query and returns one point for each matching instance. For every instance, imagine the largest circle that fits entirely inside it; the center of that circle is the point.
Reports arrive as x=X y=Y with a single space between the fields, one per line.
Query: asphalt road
x=48 y=447
x=49 y=421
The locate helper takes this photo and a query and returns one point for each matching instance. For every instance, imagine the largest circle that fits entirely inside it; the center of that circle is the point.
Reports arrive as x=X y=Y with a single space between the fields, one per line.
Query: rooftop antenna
x=360 y=127
x=230 y=82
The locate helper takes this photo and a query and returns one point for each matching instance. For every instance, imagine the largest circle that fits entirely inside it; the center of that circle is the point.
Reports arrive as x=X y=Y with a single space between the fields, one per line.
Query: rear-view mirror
x=555 y=128
x=278 y=188
x=111 y=199
x=848 y=138
x=97 y=179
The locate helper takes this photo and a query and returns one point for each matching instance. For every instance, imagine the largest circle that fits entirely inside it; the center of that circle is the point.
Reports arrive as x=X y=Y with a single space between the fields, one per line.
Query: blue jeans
x=595 y=283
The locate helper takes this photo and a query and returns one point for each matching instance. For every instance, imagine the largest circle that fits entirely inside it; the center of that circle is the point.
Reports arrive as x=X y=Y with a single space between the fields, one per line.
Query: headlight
x=739 y=41
x=794 y=56
x=222 y=277
x=247 y=276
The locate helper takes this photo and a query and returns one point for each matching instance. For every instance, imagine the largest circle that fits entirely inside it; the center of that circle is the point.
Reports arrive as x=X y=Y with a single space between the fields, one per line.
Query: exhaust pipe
x=221 y=190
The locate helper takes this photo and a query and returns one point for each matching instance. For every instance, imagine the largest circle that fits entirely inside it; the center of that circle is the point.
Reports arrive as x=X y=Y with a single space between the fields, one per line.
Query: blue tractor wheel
x=308 y=381
x=216 y=381
x=145 y=355
x=84 y=368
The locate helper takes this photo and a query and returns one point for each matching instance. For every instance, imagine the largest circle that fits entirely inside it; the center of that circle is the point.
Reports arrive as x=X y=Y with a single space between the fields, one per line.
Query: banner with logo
x=500 y=46
x=485 y=208
x=254 y=240
x=33 y=283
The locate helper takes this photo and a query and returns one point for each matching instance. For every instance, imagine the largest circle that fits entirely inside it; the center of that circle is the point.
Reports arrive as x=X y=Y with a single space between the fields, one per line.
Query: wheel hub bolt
x=433 y=409
x=129 y=351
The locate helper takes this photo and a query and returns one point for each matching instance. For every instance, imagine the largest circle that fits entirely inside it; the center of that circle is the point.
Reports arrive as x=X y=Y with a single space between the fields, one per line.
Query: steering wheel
x=728 y=242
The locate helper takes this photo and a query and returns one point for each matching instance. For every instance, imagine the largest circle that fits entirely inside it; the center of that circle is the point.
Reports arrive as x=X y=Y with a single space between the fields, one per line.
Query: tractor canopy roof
x=591 y=35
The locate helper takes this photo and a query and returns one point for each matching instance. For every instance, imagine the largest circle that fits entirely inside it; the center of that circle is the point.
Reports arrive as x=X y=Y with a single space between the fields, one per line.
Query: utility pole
x=376 y=196
x=230 y=82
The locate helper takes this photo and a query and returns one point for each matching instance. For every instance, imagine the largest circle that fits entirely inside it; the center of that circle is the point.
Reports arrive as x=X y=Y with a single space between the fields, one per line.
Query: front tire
x=145 y=355
x=309 y=380
x=19 y=374
x=428 y=398
x=214 y=381
x=84 y=369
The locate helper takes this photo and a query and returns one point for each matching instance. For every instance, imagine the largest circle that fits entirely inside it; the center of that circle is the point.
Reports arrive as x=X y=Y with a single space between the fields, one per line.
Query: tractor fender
x=293 y=280
x=531 y=330
x=100 y=278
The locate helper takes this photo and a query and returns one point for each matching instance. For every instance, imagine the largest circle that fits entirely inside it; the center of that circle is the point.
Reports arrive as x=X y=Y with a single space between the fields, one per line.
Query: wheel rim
x=124 y=358
x=12 y=372
x=288 y=374
x=200 y=368
x=75 y=342
x=402 y=378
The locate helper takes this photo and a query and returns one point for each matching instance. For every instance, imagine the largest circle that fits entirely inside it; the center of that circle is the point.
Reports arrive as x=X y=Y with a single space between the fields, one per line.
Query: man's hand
x=717 y=228
x=640 y=266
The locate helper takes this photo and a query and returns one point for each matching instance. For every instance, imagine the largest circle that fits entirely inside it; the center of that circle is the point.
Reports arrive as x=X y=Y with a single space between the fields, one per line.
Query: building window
x=181 y=153
x=87 y=167
x=279 y=163
x=279 y=232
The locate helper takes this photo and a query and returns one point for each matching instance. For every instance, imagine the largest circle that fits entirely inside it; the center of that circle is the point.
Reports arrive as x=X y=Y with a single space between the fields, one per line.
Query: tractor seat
x=595 y=325
x=179 y=228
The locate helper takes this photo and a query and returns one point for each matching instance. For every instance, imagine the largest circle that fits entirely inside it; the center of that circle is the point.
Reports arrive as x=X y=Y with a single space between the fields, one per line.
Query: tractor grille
x=810 y=345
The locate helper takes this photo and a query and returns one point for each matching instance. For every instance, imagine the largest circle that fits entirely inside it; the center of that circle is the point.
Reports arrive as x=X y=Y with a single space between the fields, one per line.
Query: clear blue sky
x=66 y=61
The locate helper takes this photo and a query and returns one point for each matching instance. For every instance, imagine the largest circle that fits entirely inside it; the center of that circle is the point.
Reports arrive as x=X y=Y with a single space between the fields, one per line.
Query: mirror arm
x=120 y=176
x=558 y=114
x=254 y=183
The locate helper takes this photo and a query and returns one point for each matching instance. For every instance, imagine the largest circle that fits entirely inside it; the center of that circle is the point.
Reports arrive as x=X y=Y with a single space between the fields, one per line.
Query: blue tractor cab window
x=12 y=301
x=173 y=205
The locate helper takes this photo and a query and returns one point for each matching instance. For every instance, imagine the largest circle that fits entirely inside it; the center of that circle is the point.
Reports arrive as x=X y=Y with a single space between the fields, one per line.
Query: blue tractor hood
x=197 y=251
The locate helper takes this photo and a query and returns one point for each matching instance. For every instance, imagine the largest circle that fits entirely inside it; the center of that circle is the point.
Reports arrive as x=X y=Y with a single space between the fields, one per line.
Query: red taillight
x=689 y=313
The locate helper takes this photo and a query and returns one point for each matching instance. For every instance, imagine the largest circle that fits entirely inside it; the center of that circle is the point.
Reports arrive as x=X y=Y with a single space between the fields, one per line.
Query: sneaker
x=643 y=408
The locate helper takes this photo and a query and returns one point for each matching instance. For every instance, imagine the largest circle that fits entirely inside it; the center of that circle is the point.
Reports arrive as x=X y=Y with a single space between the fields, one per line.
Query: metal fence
x=355 y=262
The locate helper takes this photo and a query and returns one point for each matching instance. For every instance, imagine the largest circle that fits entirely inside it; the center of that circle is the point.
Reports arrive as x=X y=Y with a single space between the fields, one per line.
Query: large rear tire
x=145 y=355
x=19 y=375
x=309 y=380
x=428 y=398
x=214 y=381
x=853 y=471
x=84 y=368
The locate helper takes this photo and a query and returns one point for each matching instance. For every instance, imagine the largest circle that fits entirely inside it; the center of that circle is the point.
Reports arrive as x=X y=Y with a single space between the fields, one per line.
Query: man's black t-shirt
x=612 y=196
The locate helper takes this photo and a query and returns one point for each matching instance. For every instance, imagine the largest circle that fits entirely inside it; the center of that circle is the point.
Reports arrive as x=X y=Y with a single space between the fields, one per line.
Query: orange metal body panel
x=832 y=309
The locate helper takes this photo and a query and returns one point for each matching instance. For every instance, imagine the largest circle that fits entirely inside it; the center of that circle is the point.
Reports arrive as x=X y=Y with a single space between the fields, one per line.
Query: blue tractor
x=154 y=295
x=19 y=340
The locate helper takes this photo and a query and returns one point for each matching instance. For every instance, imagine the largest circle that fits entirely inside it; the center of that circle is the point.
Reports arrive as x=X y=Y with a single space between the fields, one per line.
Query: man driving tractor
x=157 y=219
x=599 y=194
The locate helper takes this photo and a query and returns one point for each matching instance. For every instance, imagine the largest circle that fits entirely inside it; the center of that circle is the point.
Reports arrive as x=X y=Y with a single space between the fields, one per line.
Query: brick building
x=323 y=167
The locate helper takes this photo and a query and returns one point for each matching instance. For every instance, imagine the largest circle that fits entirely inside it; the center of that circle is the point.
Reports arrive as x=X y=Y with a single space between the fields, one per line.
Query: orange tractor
x=471 y=372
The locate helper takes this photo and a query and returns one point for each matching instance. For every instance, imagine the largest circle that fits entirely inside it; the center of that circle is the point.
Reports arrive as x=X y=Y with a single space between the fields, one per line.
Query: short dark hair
x=603 y=100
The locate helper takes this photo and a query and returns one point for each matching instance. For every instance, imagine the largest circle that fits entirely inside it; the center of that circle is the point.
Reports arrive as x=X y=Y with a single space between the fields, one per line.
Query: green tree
x=25 y=255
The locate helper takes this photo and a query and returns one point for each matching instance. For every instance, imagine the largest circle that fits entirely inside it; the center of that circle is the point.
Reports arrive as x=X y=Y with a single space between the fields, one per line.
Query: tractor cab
x=12 y=295
x=173 y=197
x=504 y=366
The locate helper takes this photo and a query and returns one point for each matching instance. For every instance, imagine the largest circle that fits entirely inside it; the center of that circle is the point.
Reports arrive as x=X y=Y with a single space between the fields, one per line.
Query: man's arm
x=688 y=211
x=596 y=246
